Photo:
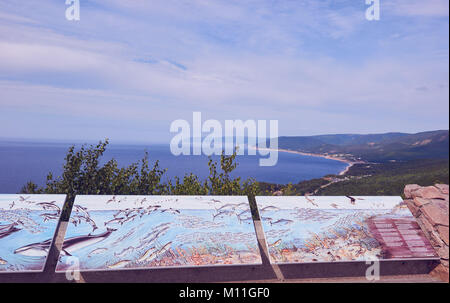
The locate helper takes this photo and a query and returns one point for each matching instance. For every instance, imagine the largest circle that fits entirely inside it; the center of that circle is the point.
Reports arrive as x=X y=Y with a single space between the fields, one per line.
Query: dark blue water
x=31 y=161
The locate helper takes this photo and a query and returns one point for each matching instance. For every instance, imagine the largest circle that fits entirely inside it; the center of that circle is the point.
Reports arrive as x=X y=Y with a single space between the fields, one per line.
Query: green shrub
x=83 y=175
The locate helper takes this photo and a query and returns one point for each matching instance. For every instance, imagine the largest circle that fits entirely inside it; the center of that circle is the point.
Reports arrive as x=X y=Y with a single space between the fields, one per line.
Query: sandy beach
x=341 y=173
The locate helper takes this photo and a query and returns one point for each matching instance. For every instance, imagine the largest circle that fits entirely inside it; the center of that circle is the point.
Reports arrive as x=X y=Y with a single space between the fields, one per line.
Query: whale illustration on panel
x=27 y=227
x=141 y=232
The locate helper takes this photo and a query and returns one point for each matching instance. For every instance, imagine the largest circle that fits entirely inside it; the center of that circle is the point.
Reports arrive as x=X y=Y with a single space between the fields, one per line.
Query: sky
x=127 y=69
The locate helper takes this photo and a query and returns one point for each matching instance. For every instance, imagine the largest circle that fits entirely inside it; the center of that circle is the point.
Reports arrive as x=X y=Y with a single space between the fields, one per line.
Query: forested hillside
x=374 y=147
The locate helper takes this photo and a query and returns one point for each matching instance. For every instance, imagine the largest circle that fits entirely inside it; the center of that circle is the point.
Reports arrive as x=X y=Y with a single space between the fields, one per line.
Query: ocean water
x=21 y=162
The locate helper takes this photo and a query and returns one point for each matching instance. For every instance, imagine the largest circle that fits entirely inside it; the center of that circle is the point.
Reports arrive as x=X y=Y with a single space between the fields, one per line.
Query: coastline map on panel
x=134 y=232
x=27 y=227
x=307 y=229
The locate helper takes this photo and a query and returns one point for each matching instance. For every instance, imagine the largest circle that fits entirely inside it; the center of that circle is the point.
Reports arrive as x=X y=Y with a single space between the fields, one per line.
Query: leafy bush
x=83 y=175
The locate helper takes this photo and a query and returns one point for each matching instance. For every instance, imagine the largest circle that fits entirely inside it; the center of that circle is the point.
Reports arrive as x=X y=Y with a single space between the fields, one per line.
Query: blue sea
x=23 y=161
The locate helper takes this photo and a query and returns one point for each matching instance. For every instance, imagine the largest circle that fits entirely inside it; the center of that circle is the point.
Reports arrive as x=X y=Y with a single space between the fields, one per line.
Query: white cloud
x=253 y=59
x=427 y=8
x=15 y=18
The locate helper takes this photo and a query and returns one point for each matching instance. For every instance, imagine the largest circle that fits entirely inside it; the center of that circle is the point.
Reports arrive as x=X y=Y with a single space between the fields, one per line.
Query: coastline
x=341 y=173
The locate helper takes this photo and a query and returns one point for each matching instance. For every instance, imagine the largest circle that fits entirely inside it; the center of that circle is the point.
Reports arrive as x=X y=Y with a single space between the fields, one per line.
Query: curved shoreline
x=341 y=173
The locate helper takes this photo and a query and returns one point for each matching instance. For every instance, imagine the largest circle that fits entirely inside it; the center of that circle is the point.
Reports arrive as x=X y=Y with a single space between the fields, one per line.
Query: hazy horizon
x=124 y=142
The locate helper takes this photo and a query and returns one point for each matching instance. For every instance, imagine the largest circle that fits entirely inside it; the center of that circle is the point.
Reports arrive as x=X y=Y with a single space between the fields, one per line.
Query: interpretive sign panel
x=331 y=229
x=134 y=232
x=27 y=228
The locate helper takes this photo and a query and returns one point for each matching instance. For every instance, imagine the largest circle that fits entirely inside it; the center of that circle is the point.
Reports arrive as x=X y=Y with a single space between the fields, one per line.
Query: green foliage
x=289 y=190
x=390 y=178
x=190 y=185
x=83 y=175
x=375 y=147
x=298 y=189
x=371 y=179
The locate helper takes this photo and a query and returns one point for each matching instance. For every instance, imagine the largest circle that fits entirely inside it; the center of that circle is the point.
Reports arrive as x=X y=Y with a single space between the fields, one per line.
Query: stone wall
x=430 y=207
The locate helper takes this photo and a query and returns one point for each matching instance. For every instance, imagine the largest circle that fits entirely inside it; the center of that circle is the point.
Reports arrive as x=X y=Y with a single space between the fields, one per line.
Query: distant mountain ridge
x=374 y=147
